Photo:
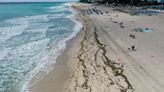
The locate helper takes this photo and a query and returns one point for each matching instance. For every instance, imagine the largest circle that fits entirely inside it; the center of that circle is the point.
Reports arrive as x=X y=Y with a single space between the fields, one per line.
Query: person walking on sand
x=133 y=47
x=132 y=36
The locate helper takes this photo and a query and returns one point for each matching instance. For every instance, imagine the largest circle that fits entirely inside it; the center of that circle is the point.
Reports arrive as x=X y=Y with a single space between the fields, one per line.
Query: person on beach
x=133 y=47
x=121 y=24
x=132 y=36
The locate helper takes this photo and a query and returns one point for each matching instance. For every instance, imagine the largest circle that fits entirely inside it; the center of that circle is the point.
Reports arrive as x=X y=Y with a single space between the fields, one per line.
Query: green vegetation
x=124 y=2
x=85 y=1
x=134 y=14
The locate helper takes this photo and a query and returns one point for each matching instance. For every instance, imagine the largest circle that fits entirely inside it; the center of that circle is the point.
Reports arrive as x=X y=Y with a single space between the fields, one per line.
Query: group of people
x=133 y=46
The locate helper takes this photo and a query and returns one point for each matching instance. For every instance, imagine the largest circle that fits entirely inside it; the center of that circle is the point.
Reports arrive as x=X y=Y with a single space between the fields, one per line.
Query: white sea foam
x=8 y=32
x=20 y=25
x=57 y=8
x=57 y=16
x=35 y=51
x=39 y=30
x=4 y=52
x=61 y=45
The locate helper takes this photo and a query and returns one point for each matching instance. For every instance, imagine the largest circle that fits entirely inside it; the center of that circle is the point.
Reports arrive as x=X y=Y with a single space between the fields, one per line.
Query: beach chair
x=140 y=30
x=146 y=30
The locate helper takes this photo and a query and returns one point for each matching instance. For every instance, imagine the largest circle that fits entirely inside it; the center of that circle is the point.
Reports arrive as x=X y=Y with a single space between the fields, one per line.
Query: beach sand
x=98 y=59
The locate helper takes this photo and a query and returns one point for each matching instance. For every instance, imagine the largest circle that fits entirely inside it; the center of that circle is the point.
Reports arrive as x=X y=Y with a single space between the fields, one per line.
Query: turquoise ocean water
x=32 y=35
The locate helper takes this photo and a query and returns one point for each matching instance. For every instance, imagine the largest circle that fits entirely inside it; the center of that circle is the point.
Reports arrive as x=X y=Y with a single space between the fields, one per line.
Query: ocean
x=32 y=35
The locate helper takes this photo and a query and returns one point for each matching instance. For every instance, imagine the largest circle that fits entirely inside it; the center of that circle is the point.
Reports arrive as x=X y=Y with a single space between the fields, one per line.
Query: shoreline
x=61 y=69
x=61 y=72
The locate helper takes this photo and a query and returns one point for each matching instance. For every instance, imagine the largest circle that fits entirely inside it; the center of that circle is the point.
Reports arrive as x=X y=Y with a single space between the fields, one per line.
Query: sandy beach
x=98 y=58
